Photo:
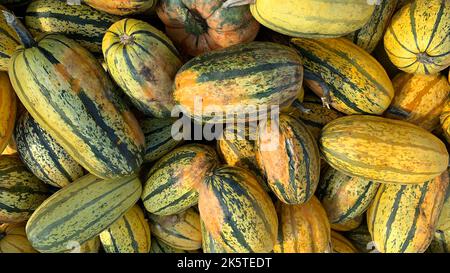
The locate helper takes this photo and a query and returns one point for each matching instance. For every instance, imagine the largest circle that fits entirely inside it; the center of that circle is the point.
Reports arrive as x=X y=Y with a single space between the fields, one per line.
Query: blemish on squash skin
x=210 y=211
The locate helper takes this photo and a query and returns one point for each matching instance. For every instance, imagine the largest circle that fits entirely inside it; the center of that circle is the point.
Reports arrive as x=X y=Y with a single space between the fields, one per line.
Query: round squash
x=340 y=244
x=419 y=99
x=384 y=150
x=143 y=62
x=122 y=7
x=417 y=39
x=13 y=239
x=8 y=41
x=199 y=26
x=288 y=154
x=8 y=110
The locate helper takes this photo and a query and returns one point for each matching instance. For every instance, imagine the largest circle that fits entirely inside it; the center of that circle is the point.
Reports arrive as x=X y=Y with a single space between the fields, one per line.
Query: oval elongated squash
x=349 y=224
x=288 y=154
x=237 y=80
x=371 y=33
x=13 y=239
x=382 y=149
x=181 y=231
x=70 y=96
x=78 y=22
x=122 y=7
x=209 y=245
x=81 y=211
x=419 y=99
x=441 y=239
x=20 y=191
x=345 y=197
x=129 y=234
x=340 y=244
x=43 y=155
x=8 y=109
x=143 y=62
x=158 y=138
x=171 y=184
x=417 y=39
x=345 y=75
x=303 y=228
x=403 y=218
x=237 y=211
x=8 y=41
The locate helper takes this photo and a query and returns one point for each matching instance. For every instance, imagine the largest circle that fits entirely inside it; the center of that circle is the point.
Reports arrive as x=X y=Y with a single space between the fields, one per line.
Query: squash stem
x=326 y=98
x=299 y=105
x=25 y=36
x=237 y=3
x=126 y=39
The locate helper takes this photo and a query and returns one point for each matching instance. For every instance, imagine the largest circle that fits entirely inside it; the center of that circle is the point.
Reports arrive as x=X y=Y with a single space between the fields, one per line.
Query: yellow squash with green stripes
x=129 y=234
x=181 y=231
x=303 y=228
x=349 y=224
x=160 y=247
x=8 y=42
x=43 y=155
x=13 y=239
x=371 y=33
x=345 y=76
x=209 y=245
x=237 y=212
x=441 y=238
x=78 y=22
x=417 y=39
x=340 y=244
x=143 y=62
x=20 y=191
x=288 y=154
x=237 y=80
x=172 y=181
x=81 y=211
x=122 y=7
x=8 y=110
x=403 y=218
x=158 y=137
x=381 y=149
x=345 y=197
x=71 y=97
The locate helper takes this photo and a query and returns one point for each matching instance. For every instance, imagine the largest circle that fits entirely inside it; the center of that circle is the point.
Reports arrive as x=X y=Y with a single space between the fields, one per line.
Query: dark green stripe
x=436 y=23
x=4 y=55
x=134 y=244
x=18 y=188
x=10 y=209
x=157 y=37
x=81 y=22
x=276 y=90
x=158 y=145
x=4 y=172
x=113 y=241
x=6 y=33
x=168 y=231
x=391 y=30
x=356 y=206
x=187 y=195
x=412 y=9
x=176 y=157
x=393 y=214
x=307 y=164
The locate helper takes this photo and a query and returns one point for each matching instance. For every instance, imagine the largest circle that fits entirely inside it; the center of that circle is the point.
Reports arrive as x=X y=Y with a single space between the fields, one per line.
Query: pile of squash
x=354 y=161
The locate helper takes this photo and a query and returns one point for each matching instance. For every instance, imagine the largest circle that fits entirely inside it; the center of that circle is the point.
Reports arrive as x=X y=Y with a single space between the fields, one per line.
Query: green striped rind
x=158 y=138
x=8 y=42
x=237 y=211
x=69 y=94
x=80 y=211
x=79 y=22
x=209 y=245
x=237 y=80
x=403 y=218
x=20 y=191
x=172 y=181
x=160 y=247
x=316 y=115
x=356 y=82
x=441 y=240
x=361 y=239
x=371 y=33
x=345 y=197
x=289 y=156
x=43 y=155
x=129 y=234
x=349 y=224
x=181 y=231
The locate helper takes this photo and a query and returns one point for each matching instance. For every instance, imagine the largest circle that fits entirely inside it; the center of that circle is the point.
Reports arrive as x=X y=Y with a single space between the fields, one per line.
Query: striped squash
x=237 y=148
x=181 y=231
x=78 y=22
x=143 y=62
x=382 y=149
x=158 y=138
x=8 y=42
x=160 y=247
x=371 y=33
x=91 y=246
x=209 y=245
x=441 y=239
x=403 y=218
x=122 y=7
x=20 y=191
x=340 y=244
x=237 y=80
x=8 y=110
x=303 y=228
x=444 y=119
x=43 y=155
x=13 y=239
x=349 y=224
x=288 y=154
x=316 y=115
x=80 y=211
x=71 y=97
x=345 y=75
x=237 y=211
x=345 y=197
x=311 y=18
x=129 y=234
x=361 y=239
x=419 y=99
x=417 y=40
x=171 y=184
